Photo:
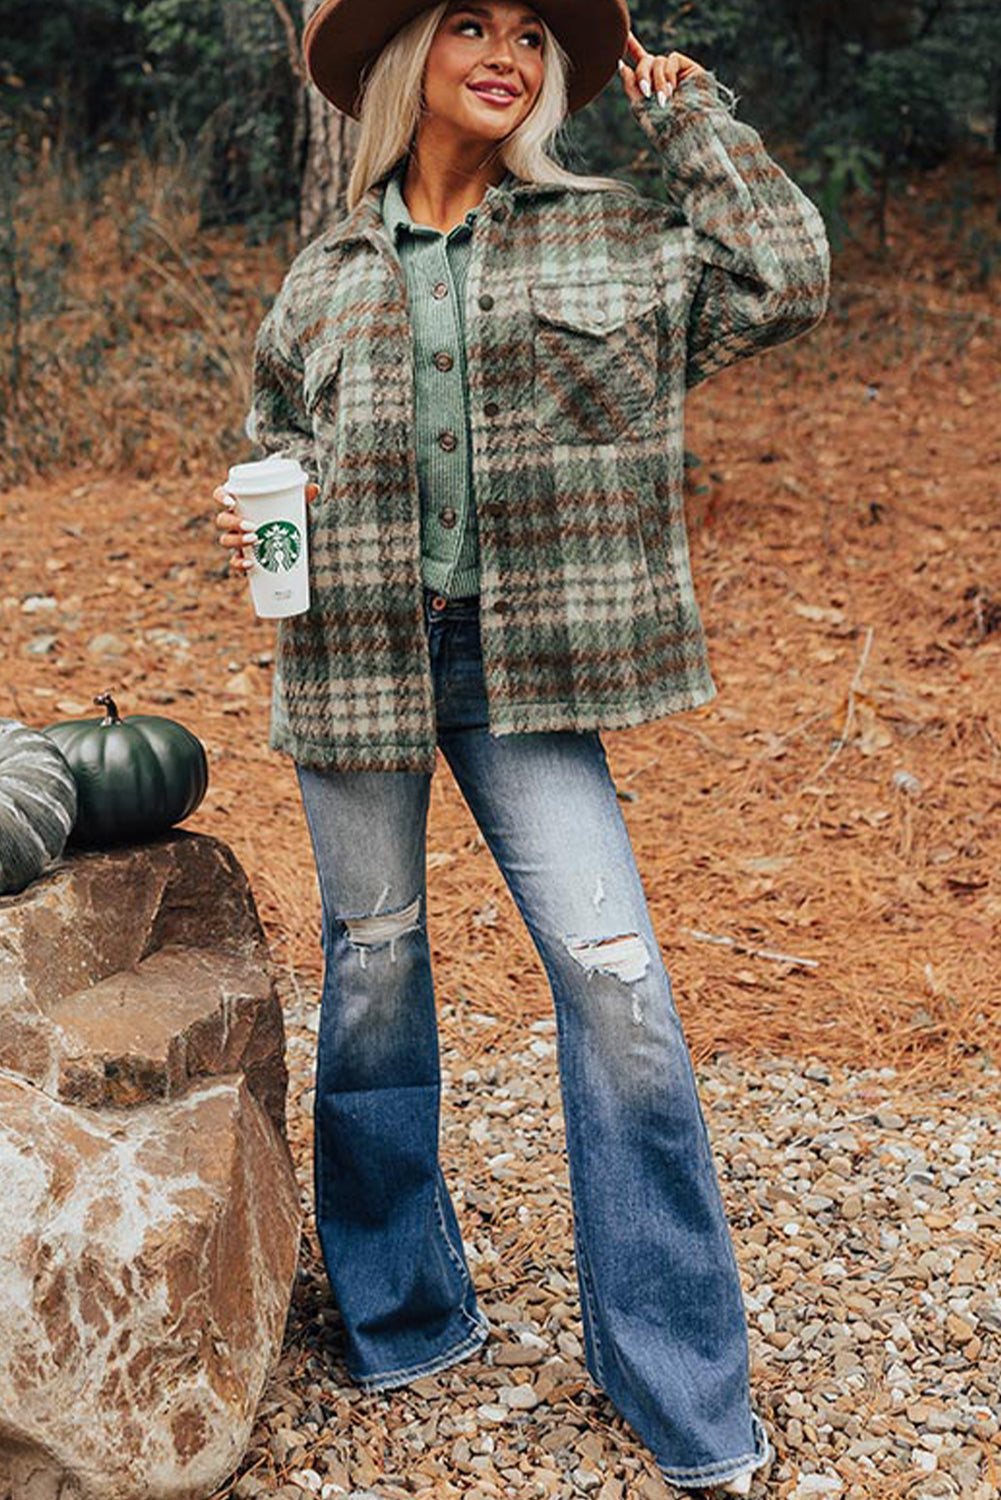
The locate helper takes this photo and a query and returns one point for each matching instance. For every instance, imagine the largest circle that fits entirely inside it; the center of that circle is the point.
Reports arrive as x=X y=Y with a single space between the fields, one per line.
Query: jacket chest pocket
x=595 y=359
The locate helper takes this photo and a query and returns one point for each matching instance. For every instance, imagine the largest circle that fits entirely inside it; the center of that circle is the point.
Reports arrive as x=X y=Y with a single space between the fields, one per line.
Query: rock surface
x=149 y=1210
x=145 y=1265
x=125 y=973
x=96 y=913
x=143 y=1034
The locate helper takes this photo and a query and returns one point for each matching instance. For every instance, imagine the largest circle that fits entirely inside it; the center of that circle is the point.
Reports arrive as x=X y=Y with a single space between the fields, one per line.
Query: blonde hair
x=391 y=108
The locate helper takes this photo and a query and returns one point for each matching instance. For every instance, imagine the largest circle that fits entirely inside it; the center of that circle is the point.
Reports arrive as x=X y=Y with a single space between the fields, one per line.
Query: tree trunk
x=326 y=153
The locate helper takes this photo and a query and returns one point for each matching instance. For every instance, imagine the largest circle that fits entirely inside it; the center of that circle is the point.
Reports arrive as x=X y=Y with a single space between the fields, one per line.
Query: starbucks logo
x=278 y=546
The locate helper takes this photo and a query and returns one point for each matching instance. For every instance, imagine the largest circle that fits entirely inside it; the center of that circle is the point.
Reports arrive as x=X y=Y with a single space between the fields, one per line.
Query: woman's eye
x=535 y=37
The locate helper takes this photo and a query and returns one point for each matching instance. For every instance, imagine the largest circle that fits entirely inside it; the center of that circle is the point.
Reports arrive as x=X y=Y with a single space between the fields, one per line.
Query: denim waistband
x=455 y=605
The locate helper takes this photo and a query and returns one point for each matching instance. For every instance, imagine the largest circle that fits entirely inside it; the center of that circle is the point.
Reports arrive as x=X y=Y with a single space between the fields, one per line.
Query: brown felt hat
x=342 y=36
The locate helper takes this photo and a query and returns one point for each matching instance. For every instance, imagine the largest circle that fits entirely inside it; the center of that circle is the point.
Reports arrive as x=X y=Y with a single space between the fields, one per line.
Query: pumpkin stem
x=111 y=712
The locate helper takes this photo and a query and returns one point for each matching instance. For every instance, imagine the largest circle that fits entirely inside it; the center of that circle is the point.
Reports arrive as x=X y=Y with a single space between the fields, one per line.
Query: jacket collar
x=365 y=221
x=396 y=216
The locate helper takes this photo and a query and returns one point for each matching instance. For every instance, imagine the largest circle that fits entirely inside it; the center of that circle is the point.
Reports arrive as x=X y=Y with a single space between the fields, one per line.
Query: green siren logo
x=279 y=546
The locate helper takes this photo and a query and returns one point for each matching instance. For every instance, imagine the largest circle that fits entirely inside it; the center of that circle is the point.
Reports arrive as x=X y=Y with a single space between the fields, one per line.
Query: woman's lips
x=501 y=99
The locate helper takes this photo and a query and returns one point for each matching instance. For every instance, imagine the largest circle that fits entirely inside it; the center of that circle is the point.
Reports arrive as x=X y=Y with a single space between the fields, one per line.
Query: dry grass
x=134 y=330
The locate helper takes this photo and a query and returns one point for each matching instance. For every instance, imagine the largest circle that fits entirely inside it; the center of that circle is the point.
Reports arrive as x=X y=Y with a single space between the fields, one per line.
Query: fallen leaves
x=872 y=733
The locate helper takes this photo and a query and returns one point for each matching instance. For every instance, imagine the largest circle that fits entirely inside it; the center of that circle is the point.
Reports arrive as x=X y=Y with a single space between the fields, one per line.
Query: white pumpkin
x=37 y=804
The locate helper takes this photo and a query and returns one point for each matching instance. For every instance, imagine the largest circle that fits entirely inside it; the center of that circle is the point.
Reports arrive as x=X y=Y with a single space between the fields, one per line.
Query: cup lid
x=266 y=475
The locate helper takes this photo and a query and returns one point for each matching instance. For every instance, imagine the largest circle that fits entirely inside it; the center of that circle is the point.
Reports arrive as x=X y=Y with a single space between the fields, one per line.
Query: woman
x=483 y=369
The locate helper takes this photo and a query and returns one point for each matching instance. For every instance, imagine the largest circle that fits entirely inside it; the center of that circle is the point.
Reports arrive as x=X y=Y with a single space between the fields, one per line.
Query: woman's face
x=484 y=69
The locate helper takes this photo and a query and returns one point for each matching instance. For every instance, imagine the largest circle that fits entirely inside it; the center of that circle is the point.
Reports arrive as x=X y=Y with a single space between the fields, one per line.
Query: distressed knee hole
x=624 y=957
x=375 y=931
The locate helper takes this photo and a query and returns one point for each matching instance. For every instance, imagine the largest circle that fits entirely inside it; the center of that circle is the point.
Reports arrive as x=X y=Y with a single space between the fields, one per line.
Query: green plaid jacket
x=588 y=315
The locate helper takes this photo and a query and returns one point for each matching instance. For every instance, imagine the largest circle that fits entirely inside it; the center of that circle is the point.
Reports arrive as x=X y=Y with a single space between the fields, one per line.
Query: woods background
x=152 y=153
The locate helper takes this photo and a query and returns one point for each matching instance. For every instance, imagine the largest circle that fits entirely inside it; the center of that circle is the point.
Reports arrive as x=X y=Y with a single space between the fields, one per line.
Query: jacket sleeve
x=277 y=420
x=761 y=265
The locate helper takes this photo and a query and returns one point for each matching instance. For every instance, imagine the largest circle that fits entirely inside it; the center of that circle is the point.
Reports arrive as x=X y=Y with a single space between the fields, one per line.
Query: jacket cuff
x=698 y=93
x=306 y=455
x=271 y=446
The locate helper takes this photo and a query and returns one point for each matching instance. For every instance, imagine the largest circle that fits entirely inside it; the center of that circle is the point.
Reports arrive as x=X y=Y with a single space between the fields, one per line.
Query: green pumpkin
x=37 y=804
x=135 y=777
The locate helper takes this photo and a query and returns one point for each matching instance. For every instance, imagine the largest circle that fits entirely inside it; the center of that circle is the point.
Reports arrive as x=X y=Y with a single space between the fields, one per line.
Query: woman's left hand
x=653 y=72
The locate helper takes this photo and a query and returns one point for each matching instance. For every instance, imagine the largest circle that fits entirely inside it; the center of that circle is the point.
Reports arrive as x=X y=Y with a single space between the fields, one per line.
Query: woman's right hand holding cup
x=237 y=533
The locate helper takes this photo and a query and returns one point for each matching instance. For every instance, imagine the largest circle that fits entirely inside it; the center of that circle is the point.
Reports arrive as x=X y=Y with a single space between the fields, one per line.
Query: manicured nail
x=670 y=89
x=229 y=502
x=645 y=88
x=661 y=98
x=250 y=526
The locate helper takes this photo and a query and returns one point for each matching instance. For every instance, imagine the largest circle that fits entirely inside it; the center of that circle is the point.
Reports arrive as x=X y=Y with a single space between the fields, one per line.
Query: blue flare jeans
x=663 y=1318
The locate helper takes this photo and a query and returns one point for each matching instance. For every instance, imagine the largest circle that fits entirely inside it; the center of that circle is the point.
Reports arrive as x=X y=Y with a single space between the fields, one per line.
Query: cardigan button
x=491 y=409
x=448 y=441
x=486 y=302
x=440 y=289
x=500 y=607
x=442 y=360
x=447 y=517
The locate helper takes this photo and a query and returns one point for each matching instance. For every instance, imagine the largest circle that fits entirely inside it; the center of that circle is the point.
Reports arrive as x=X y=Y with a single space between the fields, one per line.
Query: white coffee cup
x=272 y=494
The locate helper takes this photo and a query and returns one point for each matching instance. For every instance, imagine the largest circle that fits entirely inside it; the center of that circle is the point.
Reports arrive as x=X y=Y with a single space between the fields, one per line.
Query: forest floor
x=820 y=845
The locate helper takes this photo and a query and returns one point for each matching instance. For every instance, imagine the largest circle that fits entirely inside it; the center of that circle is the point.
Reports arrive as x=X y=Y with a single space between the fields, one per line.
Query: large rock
x=146 y=1261
x=97 y=913
x=124 y=974
x=149 y=1211
x=143 y=1034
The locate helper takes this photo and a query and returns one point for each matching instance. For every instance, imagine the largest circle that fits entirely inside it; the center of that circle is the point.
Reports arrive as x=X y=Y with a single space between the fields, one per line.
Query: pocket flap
x=593 y=307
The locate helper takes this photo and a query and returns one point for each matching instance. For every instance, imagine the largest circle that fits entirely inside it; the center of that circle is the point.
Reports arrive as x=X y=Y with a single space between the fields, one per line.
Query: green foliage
x=185 y=56
x=66 y=62
x=849 y=93
x=207 y=81
x=217 y=79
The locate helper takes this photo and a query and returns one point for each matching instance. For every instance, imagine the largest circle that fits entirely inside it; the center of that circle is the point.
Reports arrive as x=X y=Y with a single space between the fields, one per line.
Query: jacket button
x=443 y=360
x=447 y=440
x=500 y=607
x=486 y=302
x=440 y=289
x=447 y=517
x=491 y=409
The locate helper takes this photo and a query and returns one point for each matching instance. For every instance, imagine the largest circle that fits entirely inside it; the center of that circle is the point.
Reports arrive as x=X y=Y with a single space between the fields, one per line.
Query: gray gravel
x=867 y=1221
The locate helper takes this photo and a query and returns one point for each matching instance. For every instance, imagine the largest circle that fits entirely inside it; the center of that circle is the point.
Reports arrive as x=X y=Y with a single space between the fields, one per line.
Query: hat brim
x=343 y=36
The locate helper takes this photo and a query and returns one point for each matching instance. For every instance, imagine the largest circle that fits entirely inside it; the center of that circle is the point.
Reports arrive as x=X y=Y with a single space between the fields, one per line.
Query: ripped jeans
x=663 y=1317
